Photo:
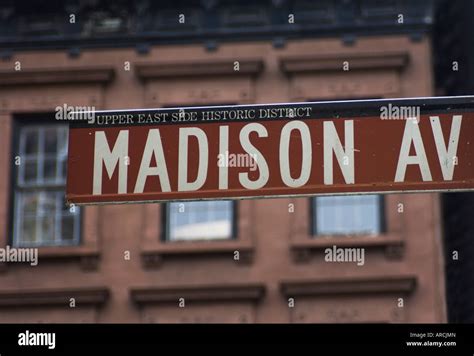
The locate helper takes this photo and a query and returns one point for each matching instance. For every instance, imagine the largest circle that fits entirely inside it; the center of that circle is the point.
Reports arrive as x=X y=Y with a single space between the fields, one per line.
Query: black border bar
x=323 y=338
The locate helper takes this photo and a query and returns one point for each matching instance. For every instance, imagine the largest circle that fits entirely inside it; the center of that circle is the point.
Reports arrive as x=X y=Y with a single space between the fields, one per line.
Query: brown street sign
x=292 y=149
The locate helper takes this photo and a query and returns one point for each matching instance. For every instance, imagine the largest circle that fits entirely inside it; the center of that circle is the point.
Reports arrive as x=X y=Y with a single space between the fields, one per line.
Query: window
x=201 y=220
x=41 y=217
x=347 y=215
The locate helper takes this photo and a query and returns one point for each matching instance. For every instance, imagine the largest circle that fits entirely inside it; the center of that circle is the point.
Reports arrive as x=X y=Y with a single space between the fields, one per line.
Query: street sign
x=292 y=149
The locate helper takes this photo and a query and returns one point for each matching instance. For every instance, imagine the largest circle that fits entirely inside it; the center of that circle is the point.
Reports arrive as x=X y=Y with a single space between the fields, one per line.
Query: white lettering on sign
x=116 y=154
x=103 y=156
x=254 y=152
x=203 y=151
x=411 y=135
x=446 y=155
x=285 y=152
x=153 y=147
x=223 y=148
x=333 y=144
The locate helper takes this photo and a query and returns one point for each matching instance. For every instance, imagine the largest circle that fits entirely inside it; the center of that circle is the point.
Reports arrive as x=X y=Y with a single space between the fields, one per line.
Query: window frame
x=165 y=221
x=314 y=221
x=15 y=187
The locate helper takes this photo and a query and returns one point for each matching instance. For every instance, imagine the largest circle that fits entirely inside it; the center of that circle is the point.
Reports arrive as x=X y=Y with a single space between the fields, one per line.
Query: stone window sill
x=88 y=257
x=152 y=256
x=219 y=292
x=392 y=245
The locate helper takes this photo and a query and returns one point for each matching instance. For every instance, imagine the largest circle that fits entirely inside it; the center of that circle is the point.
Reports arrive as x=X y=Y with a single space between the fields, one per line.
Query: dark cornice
x=385 y=60
x=56 y=76
x=201 y=68
x=45 y=296
x=224 y=292
x=353 y=285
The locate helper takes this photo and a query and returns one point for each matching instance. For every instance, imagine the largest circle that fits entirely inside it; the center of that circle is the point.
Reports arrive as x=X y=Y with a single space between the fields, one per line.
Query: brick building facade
x=242 y=261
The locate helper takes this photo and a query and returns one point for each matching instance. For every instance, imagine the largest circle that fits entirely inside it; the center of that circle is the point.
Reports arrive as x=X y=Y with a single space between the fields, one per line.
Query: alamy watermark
x=232 y=160
x=19 y=254
x=29 y=338
x=397 y=112
x=67 y=112
x=345 y=254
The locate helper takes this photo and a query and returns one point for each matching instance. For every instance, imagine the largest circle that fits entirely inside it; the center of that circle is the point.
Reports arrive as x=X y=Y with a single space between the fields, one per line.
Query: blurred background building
x=222 y=261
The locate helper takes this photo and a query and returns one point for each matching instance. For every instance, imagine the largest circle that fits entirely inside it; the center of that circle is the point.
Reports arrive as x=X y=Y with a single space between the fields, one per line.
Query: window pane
x=69 y=221
x=50 y=140
x=44 y=221
x=47 y=229
x=200 y=220
x=347 y=215
x=29 y=204
x=48 y=203
x=49 y=169
x=30 y=137
x=62 y=142
x=30 y=172
x=28 y=231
